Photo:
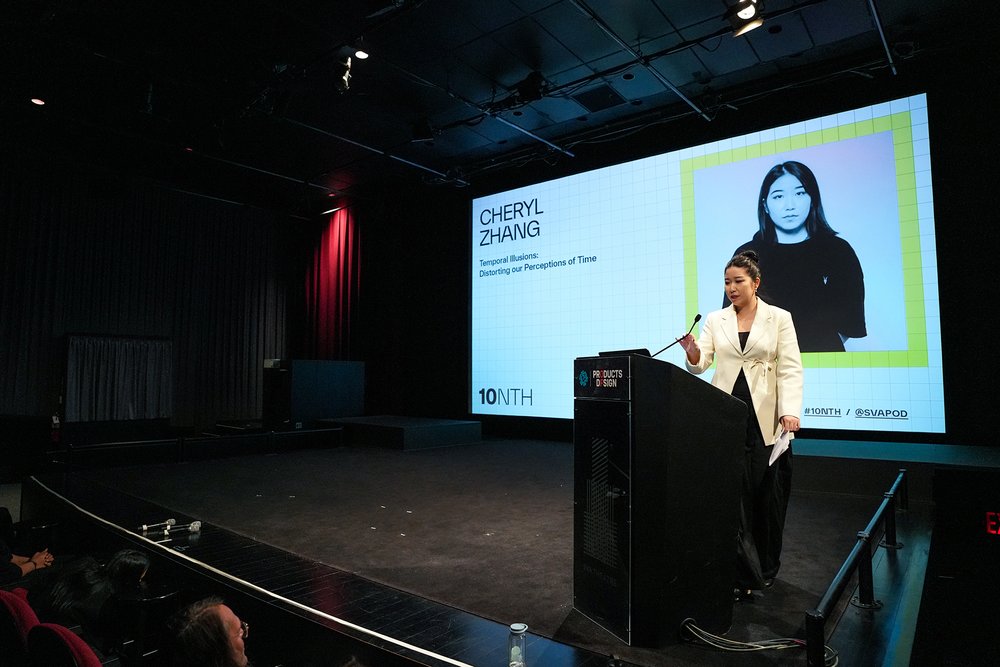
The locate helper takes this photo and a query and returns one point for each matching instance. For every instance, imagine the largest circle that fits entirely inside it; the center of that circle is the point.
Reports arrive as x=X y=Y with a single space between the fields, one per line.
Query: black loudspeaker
x=276 y=413
x=658 y=458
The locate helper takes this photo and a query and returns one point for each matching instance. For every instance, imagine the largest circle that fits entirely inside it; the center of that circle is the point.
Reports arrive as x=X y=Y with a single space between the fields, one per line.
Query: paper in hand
x=781 y=440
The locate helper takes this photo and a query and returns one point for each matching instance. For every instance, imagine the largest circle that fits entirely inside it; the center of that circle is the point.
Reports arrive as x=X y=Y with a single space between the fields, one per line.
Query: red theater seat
x=55 y=646
x=17 y=618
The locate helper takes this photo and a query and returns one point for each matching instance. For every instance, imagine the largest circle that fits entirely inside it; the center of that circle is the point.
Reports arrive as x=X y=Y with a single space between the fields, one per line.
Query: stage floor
x=487 y=529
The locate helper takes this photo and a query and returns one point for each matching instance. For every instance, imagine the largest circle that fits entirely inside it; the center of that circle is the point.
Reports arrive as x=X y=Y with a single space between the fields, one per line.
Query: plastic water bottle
x=515 y=645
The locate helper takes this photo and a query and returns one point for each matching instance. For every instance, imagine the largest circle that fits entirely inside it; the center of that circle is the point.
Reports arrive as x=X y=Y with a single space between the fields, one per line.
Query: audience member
x=206 y=634
x=126 y=570
x=82 y=588
x=14 y=567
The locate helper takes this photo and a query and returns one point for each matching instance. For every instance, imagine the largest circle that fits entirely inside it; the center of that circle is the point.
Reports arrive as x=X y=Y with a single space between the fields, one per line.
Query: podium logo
x=608 y=377
x=583 y=379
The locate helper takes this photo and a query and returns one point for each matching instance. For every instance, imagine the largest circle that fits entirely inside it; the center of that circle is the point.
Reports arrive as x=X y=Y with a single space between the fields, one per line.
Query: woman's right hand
x=691 y=348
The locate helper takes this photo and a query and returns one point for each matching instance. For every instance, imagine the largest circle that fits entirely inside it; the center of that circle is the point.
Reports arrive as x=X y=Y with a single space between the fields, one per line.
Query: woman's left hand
x=789 y=423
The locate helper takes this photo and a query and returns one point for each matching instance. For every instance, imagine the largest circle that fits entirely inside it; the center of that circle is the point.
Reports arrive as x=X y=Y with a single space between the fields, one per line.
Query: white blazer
x=771 y=362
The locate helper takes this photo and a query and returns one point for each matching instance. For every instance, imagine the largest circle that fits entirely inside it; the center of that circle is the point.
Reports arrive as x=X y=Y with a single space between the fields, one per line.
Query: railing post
x=866 y=587
x=815 y=638
x=904 y=491
x=889 y=541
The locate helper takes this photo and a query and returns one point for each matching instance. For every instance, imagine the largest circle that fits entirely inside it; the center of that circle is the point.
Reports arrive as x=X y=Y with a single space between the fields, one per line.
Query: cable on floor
x=691 y=632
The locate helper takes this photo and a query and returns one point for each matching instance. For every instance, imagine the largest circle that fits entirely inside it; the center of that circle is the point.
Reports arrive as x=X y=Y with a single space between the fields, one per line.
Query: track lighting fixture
x=358 y=49
x=346 y=54
x=342 y=71
x=744 y=16
x=532 y=88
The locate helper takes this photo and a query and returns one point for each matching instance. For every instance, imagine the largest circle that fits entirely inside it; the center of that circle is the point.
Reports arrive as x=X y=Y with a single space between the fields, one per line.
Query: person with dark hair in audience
x=83 y=586
x=126 y=570
x=206 y=634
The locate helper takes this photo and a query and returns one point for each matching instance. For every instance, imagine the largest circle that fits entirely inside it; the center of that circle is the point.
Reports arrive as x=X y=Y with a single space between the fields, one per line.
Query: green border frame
x=900 y=124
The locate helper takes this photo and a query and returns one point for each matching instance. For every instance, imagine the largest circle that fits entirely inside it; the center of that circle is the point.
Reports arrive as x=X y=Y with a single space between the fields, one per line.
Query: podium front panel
x=658 y=457
x=601 y=518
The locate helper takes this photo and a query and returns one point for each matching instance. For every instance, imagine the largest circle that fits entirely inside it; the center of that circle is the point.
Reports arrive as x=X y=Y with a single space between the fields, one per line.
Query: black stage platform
x=406 y=432
x=441 y=548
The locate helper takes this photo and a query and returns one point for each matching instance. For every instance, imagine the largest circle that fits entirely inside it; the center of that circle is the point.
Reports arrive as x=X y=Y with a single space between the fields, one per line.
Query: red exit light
x=993 y=523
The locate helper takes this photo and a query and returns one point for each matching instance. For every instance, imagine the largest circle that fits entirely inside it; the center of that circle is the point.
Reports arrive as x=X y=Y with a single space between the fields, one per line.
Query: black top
x=741 y=389
x=8 y=571
x=820 y=282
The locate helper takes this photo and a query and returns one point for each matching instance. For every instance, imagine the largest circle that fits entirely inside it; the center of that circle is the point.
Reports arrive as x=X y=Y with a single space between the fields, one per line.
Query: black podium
x=658 y=458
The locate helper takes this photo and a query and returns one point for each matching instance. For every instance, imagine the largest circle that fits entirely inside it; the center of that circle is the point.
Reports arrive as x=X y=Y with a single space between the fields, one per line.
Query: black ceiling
x=239 y=100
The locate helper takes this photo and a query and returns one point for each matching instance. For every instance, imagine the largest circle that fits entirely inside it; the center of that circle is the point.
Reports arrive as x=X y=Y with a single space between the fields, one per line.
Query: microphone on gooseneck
x=697 y=318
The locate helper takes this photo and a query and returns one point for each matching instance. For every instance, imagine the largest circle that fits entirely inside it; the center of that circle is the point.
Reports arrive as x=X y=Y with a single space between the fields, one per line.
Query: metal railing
x=860 y=560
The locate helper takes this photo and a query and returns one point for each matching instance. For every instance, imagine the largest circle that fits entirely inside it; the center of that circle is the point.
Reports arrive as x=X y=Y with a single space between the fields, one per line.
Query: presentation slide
x=626 y=256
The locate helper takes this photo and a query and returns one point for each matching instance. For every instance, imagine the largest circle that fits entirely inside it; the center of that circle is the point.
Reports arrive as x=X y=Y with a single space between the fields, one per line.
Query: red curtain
x=332 y=288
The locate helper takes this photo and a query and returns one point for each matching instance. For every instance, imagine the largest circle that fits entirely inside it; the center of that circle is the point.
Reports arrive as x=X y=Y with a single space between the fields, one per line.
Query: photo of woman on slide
x=811 y=272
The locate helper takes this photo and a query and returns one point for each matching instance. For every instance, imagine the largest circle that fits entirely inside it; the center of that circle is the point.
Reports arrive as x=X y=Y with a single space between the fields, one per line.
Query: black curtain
x=110 y=378
x=115 y=257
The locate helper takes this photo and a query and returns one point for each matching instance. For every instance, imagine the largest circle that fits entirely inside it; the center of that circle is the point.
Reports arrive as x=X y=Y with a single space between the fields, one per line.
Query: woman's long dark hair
x=84 y=578
x=816 y=224
x=125 y=570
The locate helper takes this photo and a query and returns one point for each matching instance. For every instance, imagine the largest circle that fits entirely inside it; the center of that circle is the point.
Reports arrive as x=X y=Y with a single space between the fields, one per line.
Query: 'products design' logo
x=584 y=379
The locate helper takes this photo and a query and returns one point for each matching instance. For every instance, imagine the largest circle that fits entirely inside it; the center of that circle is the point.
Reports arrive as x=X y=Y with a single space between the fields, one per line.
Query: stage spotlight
x=343 y=73
x=744 y=16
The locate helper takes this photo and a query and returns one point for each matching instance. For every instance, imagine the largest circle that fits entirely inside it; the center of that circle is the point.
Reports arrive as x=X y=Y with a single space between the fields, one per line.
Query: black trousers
x=763 y=506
